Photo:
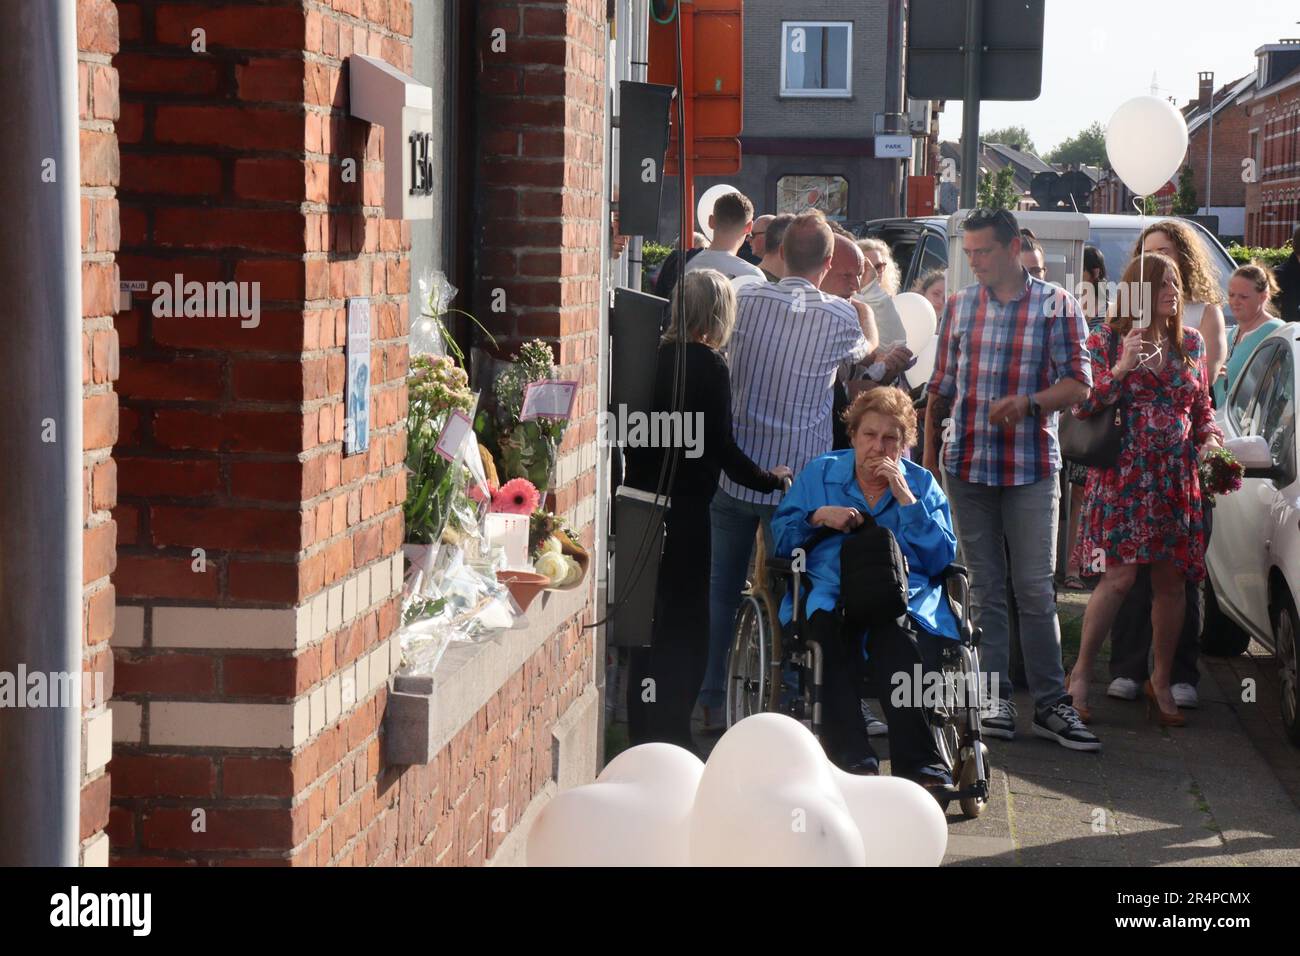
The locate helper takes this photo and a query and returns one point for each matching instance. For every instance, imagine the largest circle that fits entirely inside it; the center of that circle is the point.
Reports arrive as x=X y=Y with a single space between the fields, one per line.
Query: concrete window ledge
x=425 y=712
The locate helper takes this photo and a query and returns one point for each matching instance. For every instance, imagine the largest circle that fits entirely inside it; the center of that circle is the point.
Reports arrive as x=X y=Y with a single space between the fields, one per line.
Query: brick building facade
x=242 y=572
x=1273 y=199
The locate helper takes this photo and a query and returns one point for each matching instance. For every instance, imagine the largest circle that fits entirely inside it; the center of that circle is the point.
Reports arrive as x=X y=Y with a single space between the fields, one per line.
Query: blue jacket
x=923 y=530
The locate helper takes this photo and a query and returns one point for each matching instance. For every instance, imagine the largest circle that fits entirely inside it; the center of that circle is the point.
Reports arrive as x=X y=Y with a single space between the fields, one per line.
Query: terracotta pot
x=524 y=585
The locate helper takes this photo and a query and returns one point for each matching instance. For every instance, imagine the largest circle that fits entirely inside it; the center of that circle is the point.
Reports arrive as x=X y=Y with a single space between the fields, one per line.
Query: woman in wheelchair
x=834 y=492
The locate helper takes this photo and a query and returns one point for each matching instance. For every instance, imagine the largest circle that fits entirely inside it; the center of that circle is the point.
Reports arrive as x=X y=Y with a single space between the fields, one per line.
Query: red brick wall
x=97 y=97
x=542 y=152
x=1231 y=146
x=1273 y=204
x=231 y=437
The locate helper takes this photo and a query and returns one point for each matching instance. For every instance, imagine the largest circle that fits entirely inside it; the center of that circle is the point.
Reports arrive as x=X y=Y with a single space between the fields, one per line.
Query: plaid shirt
x=989 y=350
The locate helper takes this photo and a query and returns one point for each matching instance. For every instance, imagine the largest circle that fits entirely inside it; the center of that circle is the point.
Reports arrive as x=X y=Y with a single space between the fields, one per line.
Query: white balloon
x=796 y=824
x=919 y=320
x=704 y=208
x=1146 y=141
x=920 y=373
x=767 y=798
x=901 y=824
x=637 y=813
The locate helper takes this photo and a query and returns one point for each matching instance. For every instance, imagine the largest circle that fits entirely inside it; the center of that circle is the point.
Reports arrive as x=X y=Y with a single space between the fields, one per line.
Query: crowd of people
x=793 y=351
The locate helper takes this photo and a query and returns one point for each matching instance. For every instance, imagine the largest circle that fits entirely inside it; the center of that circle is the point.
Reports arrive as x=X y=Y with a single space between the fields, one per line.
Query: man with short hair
x=757 y=235
x=731 y=220
x=789 y=340
x=1288 y=280
x=772 y=264
x=1011 y=355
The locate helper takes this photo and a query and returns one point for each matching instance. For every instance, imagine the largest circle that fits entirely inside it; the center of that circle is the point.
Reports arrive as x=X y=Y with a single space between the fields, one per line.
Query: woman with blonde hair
x=1201 y=296
x=1146 y=509
x=881 y=279
x=1250 y=293
x=702 y=446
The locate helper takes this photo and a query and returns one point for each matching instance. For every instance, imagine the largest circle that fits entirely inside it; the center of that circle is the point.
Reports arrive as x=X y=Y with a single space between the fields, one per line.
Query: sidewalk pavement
x=1222 y=791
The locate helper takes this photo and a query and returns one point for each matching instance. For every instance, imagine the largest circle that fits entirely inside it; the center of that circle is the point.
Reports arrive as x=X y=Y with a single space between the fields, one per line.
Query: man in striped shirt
x=789 y=340
x=1011 y=355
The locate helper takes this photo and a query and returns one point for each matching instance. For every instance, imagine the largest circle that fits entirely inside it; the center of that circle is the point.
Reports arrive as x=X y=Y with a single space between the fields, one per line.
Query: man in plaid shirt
x=1011 y=355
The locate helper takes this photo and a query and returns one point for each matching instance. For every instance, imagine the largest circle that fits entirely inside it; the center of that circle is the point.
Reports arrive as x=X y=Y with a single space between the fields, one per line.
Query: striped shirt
x=788 y=342
x=990 y=350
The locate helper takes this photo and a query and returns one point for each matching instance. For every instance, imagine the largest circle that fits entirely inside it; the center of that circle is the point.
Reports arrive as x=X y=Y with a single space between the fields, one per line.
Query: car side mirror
x=1254 y=454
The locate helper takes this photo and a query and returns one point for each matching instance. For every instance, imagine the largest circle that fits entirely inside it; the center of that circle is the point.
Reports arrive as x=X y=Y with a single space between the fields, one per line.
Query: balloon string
x=1139 y=203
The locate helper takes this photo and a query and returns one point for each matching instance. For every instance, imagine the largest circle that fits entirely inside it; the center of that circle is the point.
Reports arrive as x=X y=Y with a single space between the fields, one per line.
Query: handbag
x=1095 y=441
x=873 y=576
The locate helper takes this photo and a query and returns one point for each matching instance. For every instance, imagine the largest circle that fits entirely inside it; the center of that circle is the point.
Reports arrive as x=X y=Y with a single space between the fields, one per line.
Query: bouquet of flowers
x=555 y=551
x=436 y=387
x=528 y=448
x=1220 y=473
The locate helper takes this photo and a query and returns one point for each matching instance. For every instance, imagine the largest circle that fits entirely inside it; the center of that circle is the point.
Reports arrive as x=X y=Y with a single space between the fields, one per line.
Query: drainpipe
x=40 y=481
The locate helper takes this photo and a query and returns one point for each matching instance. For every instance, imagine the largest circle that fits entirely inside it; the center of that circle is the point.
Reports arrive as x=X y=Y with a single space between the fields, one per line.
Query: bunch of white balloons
x=767 y=797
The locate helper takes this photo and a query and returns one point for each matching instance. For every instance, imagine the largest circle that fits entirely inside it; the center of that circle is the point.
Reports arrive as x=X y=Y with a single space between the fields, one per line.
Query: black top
x=1288 y=300
x=666 y=281
x=709 y=437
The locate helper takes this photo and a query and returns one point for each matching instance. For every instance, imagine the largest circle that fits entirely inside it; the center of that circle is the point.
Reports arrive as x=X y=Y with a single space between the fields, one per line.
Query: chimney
x=1206 y=90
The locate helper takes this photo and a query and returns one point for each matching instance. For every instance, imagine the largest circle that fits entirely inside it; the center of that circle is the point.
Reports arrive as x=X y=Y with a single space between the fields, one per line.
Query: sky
x=1099 y=53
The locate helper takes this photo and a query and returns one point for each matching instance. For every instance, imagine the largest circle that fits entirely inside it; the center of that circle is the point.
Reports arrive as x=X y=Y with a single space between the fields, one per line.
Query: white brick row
x=198 y=628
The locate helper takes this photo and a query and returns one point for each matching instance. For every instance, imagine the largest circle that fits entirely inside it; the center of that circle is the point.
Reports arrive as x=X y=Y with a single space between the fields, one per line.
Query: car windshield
x=1117 y=243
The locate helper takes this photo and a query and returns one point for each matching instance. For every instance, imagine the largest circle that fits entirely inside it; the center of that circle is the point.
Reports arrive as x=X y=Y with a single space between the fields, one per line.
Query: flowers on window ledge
x=518 y=496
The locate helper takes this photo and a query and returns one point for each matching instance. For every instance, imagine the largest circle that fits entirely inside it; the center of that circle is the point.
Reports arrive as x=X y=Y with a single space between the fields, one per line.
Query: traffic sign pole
x=970 y=113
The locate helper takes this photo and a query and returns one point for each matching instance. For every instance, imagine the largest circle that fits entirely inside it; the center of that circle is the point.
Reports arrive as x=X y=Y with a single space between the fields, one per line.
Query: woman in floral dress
x=1146 y=509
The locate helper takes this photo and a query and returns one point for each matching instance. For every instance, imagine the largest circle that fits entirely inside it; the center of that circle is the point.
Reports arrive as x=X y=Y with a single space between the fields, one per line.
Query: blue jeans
x=733 y=524
x=1022 y=518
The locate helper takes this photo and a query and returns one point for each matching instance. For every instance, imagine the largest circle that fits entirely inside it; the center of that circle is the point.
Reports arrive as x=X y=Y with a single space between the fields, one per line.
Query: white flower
x=552 y=545
x=552 y=564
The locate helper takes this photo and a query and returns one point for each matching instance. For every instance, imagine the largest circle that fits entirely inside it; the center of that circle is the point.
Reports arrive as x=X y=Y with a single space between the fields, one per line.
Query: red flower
x=518 y=496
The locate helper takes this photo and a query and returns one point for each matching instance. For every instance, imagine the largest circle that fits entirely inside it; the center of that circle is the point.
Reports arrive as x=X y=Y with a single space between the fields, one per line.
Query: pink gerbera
x=518 y=496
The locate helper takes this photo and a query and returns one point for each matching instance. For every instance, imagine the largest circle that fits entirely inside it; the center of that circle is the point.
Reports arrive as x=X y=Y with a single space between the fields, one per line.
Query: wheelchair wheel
x=749 y=663
x=971 y=807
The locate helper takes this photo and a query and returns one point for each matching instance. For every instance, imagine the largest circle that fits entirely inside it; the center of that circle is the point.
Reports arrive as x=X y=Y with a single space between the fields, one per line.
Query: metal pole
x=687 y=13
x=1209 y=163
x=40 y=483
x=970 y=116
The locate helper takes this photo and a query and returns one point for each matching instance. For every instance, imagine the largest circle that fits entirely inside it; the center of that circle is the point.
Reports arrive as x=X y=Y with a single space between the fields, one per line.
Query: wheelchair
x=779 y=670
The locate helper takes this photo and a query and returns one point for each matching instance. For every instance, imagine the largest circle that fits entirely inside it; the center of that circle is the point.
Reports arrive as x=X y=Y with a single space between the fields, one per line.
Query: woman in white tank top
x=1178 y=241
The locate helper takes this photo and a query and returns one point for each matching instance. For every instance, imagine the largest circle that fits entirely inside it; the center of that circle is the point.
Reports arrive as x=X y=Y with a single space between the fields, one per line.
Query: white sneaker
x=1124 y=688
x=1185 y=696
x=875 y=726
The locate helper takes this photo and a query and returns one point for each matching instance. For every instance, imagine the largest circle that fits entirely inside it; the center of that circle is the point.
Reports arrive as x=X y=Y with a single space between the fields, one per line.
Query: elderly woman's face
x=878 y=436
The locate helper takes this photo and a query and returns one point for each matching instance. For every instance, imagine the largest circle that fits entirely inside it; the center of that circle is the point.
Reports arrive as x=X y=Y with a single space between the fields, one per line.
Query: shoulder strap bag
x=1095 y=441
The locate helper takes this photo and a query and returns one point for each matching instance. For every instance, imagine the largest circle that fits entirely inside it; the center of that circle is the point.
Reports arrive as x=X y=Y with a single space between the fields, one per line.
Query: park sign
x=381 y=94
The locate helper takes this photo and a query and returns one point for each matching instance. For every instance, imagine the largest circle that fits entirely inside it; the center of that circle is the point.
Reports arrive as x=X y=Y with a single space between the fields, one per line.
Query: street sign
x=973 y=50
x=1011 y=58
x=893 y=147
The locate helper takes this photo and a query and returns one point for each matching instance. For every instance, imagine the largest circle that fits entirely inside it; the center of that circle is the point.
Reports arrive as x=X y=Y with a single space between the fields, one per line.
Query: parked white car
x=1254 y=554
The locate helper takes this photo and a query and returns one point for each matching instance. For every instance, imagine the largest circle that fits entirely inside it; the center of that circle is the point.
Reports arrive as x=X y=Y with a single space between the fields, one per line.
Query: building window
x=830 y=194
x=815 y=57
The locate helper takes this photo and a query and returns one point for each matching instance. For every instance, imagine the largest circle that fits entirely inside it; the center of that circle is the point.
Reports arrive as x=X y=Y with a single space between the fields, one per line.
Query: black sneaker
x=1000 y=719
x=1062 y=723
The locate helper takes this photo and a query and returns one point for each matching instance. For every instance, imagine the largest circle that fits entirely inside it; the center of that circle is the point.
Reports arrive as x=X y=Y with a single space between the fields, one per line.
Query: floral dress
x=1148 y=507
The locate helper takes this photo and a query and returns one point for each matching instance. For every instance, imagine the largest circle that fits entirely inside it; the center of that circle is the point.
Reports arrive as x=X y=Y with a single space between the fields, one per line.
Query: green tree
x=1010 y=136
x=1185 y=202
x=1149 y=206
x=1087 y=147
x=998 y=191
